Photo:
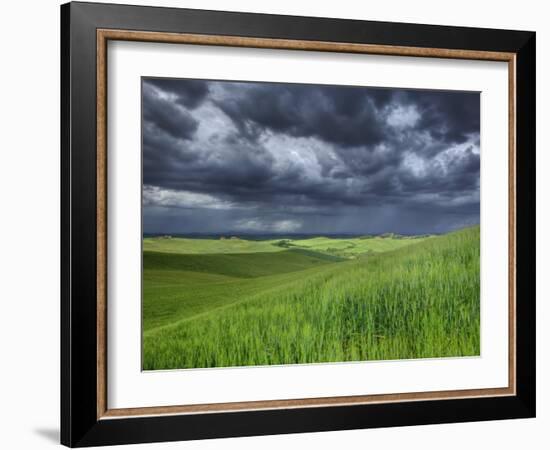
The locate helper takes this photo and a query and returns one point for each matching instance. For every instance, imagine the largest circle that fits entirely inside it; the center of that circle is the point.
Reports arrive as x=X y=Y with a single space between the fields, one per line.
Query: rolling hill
x=312 y=301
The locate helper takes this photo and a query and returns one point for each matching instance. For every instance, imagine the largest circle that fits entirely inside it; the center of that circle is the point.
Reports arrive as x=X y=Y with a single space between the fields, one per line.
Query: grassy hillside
x=180 y=286
x=234 y=265
x=421 y=300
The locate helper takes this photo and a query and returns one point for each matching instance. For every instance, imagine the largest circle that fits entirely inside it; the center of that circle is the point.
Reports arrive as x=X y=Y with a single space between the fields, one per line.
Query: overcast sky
x=261 y=158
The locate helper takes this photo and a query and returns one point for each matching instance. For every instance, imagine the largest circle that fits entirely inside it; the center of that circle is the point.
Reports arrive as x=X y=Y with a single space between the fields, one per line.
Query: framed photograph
x=276 y=224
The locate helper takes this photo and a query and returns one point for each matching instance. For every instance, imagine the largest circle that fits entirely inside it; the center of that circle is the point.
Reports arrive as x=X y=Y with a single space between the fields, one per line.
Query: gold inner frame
x=104 y=35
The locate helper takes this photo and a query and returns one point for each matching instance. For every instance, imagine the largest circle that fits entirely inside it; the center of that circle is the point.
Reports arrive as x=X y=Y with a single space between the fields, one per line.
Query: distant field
x=354 y=246
x=204 y=246
x=346 y=248
x=236 y=302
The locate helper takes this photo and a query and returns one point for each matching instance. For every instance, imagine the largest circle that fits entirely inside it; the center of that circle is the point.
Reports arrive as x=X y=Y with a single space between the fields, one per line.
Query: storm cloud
x=249 y=157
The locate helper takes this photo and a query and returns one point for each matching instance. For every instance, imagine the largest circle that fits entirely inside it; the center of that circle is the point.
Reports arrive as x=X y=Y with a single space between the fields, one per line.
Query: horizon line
x=231 y=233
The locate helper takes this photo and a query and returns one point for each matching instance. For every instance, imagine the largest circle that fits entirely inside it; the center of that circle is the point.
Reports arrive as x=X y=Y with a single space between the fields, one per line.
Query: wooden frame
x=86 y=418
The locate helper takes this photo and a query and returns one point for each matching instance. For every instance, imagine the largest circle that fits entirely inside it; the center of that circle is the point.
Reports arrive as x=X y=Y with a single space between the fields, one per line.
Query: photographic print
x=290 y=241
x=299 y=223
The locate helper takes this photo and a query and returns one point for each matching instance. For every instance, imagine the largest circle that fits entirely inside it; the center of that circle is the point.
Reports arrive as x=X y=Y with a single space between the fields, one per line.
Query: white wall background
x=29 y=225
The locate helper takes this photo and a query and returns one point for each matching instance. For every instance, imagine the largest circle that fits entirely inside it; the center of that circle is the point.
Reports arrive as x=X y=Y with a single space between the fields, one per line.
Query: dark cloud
x=334 y=114
x=189 y=94
x=448 y=116
x=166 y=115
x=219 y=156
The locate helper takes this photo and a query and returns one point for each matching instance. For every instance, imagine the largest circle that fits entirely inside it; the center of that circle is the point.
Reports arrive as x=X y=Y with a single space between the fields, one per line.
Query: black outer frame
x=79 y=423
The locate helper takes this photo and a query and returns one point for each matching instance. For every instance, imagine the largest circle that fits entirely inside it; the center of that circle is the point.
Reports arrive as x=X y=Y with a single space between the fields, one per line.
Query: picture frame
x=86 y=29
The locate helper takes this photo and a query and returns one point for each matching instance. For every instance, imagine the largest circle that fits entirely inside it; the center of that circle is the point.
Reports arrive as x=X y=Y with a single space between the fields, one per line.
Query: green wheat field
x=239 y=302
